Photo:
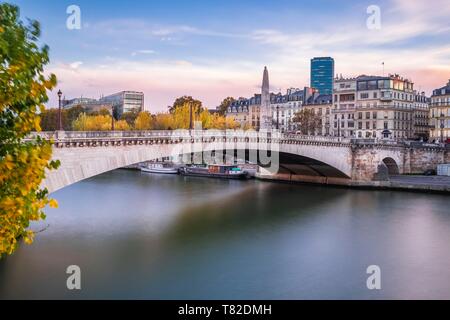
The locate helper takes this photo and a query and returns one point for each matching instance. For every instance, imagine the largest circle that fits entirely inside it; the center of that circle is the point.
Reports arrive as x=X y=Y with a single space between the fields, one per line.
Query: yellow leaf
x=53 y=203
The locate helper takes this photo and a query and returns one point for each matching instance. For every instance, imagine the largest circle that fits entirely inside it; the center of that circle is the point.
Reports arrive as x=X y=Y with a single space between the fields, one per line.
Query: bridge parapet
x=98 y=138
x=94 y=138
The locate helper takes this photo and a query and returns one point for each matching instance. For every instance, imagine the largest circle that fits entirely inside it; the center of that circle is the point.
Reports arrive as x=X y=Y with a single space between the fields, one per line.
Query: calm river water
x=145 y=236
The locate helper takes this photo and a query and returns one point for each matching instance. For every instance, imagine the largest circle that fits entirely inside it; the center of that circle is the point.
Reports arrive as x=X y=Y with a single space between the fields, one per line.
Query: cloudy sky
x=213 y=49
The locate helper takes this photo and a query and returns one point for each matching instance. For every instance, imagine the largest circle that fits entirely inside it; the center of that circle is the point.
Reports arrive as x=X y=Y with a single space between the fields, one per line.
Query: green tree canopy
x=225 y=104
x=307 y=121
x=186 y=100
x=130 y=116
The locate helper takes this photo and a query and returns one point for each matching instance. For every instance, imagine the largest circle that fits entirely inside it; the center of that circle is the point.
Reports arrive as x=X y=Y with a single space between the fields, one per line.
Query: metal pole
x=112 y=119
x=190 y=116
x=278 y=117
x=60 y=127
x=339 y=129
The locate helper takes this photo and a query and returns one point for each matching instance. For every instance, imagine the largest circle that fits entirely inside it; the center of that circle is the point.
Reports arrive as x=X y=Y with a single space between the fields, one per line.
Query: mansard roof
x=442 y=91
x=320 y=99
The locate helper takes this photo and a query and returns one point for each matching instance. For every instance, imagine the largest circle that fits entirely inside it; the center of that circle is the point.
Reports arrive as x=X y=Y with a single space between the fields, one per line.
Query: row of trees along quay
x=180 y=115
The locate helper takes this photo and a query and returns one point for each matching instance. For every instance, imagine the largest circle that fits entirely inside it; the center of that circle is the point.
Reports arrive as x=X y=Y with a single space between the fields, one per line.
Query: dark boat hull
x=240 y=176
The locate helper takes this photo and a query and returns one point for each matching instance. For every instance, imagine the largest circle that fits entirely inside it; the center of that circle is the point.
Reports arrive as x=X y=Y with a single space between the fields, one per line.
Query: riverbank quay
x=416 y=183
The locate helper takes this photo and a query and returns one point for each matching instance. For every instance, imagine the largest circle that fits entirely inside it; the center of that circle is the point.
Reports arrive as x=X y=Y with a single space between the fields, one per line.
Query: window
x=367 y=115
x=362 y=85
x=364 y=95
x=372 y=85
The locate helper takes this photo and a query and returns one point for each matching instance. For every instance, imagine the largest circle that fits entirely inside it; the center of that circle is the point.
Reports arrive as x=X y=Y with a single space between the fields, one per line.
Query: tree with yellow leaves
x=143 y=121
x=22 y=96
x=85 y=122
x=163 y=121
x=122 y=125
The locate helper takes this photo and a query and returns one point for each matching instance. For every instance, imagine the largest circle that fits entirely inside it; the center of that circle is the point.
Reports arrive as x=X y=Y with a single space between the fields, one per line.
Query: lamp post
x=339 y=130
x=112 y=119
x=190 y=116
x=278 y=117
x=60 y=127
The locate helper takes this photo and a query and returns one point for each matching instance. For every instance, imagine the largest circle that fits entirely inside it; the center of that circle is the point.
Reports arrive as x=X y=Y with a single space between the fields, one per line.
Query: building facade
x=125 y=101
x=421 y=116
x=254 y=111
x=384 y=107
x=440 y=114
x=284 y=107
x=321 y=105
x=344 y=108
x=374 y=107
x=322 y=74
x=89 y=105
x=238 y=111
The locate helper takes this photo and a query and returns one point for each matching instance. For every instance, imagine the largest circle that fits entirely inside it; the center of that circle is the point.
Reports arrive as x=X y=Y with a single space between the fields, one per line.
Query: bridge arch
x=85 y=160
x=392 y=166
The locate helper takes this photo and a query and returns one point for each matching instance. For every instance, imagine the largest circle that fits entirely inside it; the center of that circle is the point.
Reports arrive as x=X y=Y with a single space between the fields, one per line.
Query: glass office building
x=322 y=74
x=125 y=101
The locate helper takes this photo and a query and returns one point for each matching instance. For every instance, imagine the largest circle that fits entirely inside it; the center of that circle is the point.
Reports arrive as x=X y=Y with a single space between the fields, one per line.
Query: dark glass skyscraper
x=322 y=74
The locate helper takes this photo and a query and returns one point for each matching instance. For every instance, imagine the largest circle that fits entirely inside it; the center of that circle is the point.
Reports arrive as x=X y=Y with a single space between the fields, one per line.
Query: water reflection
x=155 y=237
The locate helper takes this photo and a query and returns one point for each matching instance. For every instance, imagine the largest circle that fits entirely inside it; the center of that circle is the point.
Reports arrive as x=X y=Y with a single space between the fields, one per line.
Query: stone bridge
x=328 y=160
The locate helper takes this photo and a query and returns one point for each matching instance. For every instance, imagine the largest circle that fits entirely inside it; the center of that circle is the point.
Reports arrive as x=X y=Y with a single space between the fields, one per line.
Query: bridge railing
x=316 y=138
x=67 y=136
x=86 y=135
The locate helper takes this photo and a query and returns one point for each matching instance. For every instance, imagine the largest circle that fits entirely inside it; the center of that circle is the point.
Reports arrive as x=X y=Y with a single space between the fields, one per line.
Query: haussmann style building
x=440 y=114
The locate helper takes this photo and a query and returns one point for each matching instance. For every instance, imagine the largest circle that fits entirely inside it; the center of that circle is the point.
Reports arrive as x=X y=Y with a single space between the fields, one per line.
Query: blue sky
x=213 y=49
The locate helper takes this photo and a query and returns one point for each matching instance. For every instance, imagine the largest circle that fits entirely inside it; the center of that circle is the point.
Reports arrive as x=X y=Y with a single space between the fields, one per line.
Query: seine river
x=144 y=236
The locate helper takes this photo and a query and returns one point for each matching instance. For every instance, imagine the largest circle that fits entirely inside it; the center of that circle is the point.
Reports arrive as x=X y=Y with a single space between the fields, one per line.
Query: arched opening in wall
x=391 y=166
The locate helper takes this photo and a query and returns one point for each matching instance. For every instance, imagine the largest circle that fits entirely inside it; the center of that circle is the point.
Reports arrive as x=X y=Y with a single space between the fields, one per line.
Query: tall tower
x=266 y=112
x=322 y=74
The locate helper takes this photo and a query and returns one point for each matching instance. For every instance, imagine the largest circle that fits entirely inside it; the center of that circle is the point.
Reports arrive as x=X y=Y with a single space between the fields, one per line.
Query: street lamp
x=60 y=127
x=112 y=119
x=339 y=129
x=190 y=116
x=278 y=117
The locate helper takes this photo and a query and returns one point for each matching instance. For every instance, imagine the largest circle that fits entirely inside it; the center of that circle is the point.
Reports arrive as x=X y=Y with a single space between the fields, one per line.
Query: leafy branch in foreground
x=23 y=162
